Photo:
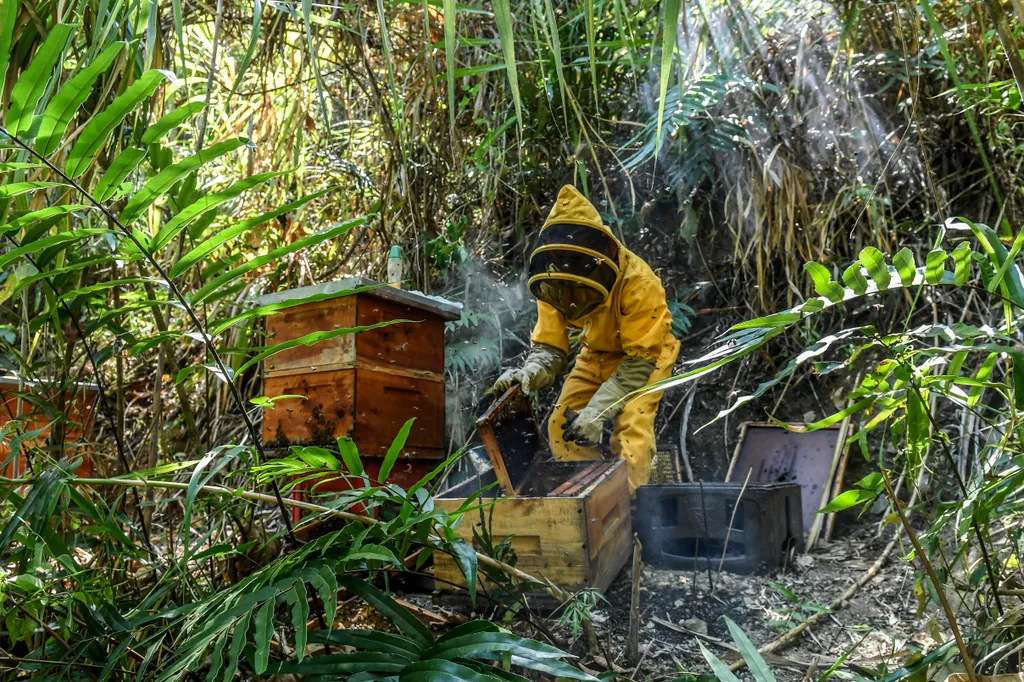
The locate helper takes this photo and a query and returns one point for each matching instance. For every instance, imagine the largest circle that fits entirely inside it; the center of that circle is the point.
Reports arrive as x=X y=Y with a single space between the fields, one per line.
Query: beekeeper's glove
x=542 y=367
x=608 y=401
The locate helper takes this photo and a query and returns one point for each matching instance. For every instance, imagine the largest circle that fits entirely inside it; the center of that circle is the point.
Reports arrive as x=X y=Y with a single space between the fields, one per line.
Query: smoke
x=492 y=334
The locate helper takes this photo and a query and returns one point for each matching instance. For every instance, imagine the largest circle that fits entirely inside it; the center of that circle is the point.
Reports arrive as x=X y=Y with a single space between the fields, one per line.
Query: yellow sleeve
x=645 y=323
x=551 y=329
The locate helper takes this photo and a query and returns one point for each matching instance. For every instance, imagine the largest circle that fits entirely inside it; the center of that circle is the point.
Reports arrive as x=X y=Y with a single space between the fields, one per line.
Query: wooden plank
x=293 y=323
x=550 y=533
x=815 y=530
x=607 y=509
x=417 y=345
x=384 y=402
x=325 y=414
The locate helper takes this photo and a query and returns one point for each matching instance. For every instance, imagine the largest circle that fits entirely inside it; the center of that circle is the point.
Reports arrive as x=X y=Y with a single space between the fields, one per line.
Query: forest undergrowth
x=853 y=165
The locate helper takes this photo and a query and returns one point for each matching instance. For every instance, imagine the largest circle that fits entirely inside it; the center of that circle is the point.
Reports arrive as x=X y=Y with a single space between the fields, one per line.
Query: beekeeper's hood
x=576 y=262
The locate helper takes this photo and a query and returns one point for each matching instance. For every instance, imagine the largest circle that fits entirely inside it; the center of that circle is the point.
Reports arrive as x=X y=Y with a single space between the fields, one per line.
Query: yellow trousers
x=633 y=433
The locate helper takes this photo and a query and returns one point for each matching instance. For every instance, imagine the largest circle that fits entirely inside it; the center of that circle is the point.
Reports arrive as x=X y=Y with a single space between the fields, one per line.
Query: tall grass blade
x=449 y=59
x=307 y=9
x=551 y=26
x=503 y=18
x=968 y=107
x=588 y=10
x=250 y=50
x=668 y=50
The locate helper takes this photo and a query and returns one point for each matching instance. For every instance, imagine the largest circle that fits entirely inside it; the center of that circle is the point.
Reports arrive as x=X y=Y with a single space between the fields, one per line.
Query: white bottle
x=395 y=267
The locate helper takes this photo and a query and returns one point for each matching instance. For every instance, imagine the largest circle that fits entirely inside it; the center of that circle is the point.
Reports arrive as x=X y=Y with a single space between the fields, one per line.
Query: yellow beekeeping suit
x=633 y=320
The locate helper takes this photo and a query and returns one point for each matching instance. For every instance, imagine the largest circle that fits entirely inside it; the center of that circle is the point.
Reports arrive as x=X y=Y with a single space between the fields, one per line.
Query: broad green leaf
x=449 y=58
x=101 y=125
x=506 y=34
x=983 y=374
x=394 y=451
x=343 y=664
x=935 y=266
x=444 y=671
x=487 y=642
x=350 y=456
x=904 y=263
x=400 y=617
x=127 y=161
x=300 y=614
x=250 y=50
x=373 y=553
x=917 y=420
x=783 y=319
x=668 y=48
x=172 y=120
x=18 y=165
x=209 y=245
x=263 y=635
x=369 y=640
x=13 y=189
x=310 y=240
x=78 y=265
x=961 y=263
x=64 y=105
x=216 y=656
x=33 y=80
x=823 y=283
x=162 y=181
x=208 y=202
x=9 y=10
x=41 y=215
x=466 y=556
x=854 y=279
x=46 y=242
x=874 y=262
x=848 y=499
x=328 y=588
x=758 y=668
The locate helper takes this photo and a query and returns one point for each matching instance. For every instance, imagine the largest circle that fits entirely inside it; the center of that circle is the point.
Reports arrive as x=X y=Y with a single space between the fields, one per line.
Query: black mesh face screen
x=563 y=261
x=583 y=236
x=574 y=268
x=573 y=299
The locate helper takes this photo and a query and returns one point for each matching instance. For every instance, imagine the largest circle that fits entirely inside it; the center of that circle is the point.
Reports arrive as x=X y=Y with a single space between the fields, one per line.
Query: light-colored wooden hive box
x=366 y=385
x=576 y=540
x=570 y=521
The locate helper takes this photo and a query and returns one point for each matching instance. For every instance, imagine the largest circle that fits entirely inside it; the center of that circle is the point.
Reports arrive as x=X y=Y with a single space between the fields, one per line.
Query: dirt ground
x=877 y=624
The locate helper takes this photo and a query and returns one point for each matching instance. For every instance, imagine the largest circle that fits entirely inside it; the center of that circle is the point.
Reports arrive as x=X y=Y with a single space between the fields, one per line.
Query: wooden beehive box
x=365 y=385
x=22 y=400
x=570 y=520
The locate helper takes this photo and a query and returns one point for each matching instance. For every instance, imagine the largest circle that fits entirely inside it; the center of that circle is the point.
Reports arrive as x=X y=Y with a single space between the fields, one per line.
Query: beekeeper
x=584 y=279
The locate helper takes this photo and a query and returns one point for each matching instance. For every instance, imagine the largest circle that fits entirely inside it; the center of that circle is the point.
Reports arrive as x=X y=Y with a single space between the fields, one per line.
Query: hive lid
x=443 y=308
x=511 y=438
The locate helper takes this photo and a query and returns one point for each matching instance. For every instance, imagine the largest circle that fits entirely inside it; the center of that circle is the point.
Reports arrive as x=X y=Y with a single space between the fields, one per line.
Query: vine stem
x=930 y=570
